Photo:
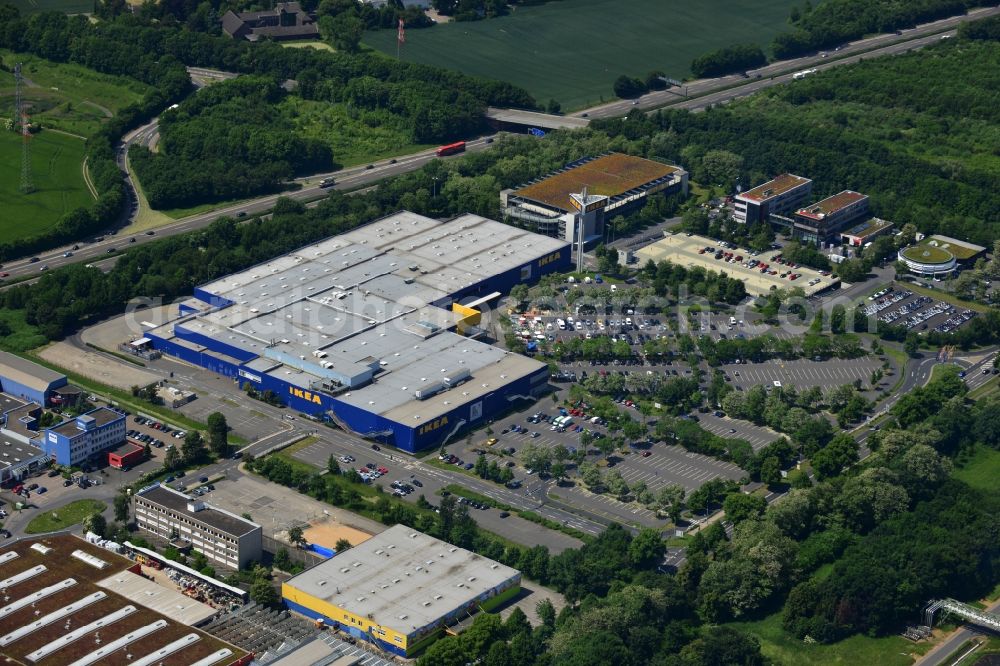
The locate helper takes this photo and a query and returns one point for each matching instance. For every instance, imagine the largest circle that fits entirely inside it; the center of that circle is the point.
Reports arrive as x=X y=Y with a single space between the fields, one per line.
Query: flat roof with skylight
x=404 y=580
x=831 y=205
x=774 y=188
x=365 y=319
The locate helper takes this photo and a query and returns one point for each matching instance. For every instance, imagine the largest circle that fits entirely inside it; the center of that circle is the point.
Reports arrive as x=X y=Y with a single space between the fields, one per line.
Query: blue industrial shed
x=27 y=380
x=367 y=329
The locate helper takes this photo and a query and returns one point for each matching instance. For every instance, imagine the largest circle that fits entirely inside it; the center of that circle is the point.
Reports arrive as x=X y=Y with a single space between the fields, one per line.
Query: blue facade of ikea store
x=230 y=361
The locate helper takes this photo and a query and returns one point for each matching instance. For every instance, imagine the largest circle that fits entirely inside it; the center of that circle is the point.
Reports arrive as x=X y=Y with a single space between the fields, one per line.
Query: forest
x=226 y=142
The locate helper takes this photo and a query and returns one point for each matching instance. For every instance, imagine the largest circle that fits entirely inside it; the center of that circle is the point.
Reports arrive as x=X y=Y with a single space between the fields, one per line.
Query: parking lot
x=431 y=481
x=803 y=373
x=757 y=436
x=759 y=279
x=901 y=307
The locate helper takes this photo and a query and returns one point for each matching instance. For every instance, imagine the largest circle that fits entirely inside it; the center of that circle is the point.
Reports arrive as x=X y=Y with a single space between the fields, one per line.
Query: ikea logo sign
x=305 y=395
x=433 y=425
x=549 y=259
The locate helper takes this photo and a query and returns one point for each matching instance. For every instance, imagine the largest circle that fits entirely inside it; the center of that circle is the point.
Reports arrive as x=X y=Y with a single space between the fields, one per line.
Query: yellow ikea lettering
x=549 y=259
x=433 y=425
x=305 y=395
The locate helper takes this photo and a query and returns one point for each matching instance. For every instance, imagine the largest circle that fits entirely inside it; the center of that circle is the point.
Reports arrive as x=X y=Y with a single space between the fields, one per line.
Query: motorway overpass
x=518 y=119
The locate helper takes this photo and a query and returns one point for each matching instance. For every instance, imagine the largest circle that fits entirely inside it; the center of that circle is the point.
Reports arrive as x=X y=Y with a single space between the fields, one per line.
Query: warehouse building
x=70 y=602
x=779 y=196
x=19 y=457
x=374 y=329
x=400 y=588
x=28 y=381
x=585 y=193
x=223 y=537
x=73 y=442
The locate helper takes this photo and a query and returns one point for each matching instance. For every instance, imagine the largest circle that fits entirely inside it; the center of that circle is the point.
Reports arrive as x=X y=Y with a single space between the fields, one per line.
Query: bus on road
x=451 y=149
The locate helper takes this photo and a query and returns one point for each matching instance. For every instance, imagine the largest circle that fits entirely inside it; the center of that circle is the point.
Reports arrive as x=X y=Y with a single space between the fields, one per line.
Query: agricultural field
x=573 y=52
x=356 y=136
x=66 y=96
x=57 y=171
x=28 y=7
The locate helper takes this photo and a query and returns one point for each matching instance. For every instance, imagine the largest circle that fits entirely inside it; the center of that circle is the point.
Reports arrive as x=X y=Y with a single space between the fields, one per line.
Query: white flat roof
x=403 y=579
x=161 y=599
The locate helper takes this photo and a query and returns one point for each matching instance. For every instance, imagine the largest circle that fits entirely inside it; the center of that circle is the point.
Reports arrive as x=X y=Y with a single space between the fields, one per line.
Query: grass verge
x=784 y=649
x=63 y=517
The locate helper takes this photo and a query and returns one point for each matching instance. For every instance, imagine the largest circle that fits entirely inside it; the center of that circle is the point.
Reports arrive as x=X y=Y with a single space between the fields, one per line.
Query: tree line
x=727 y=60
x=835 y=22
x=226 y=142
x=62 y=38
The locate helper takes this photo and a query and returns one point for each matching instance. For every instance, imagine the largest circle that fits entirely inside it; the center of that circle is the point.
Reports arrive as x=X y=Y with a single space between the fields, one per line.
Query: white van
x=732 y=321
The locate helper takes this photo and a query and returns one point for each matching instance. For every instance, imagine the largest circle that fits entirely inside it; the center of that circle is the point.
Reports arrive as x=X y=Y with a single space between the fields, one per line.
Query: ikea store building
x=375 y=329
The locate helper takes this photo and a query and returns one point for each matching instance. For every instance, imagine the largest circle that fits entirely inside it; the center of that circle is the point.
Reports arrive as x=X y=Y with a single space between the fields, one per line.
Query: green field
x=355 y=136
x=785 y=650
x=57 y=170
x=66 y=6
x=63 y=517
x=573 y=51
x=64 y=95
x=982 y=470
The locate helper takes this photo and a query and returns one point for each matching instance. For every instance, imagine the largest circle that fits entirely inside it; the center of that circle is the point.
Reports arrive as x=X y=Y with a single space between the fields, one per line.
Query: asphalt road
x=358 y=177
x=940 y=654
x=887 y=44
x=348 y=179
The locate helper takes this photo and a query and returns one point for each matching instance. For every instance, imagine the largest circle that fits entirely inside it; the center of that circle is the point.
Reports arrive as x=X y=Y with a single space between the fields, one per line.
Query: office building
x=586 y=193
x=822 y=221
x=223 y=537
x=74 y=441
x=776 y=197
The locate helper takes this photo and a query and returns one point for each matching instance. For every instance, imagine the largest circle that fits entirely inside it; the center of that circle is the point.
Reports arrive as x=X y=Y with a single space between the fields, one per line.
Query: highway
x=308 y=190
x=700 y=94
x=735 y=85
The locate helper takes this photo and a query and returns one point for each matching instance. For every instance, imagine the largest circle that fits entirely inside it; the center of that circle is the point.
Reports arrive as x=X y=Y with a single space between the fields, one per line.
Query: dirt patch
x=328 y=532
x=98 y=367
